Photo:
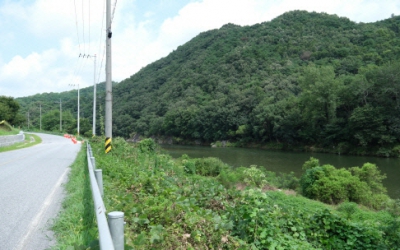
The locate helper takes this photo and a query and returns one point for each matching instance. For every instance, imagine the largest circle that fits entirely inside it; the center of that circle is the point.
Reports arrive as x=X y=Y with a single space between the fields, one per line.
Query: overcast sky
x=42 y=40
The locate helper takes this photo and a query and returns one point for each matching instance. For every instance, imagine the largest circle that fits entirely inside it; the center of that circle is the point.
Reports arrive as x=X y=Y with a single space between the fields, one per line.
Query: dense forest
x=44 y=110
x=302 y=79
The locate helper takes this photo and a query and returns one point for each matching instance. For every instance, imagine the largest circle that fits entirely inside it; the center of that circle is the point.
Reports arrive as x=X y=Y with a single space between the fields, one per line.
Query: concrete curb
x=8 y=140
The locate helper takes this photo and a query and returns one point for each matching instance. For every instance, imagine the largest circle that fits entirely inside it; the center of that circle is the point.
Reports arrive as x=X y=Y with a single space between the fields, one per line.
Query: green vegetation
x=47 y=107
x=303 y=79
x=7 y=129
x=205 y=204
x=330 y=185
x=30 y=140
x=9 y=110
x=309 y=81
x=75 y=227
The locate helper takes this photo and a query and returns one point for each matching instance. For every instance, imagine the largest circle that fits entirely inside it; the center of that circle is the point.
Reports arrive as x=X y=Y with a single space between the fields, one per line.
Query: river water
x=286 y=162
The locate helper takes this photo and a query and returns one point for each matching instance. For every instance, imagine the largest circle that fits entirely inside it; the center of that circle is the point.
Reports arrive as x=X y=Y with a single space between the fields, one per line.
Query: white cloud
x=46 y=31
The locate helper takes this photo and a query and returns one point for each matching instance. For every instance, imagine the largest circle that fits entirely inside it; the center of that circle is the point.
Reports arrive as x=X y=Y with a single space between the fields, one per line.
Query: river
x=286 y=162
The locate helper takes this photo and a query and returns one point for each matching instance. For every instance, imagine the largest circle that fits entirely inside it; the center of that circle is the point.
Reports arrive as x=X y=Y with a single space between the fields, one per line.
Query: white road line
x=36 y=221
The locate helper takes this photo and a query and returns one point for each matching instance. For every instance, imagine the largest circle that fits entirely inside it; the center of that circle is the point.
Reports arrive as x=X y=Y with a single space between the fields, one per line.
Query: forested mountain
x=301 y=79
x=46 y=107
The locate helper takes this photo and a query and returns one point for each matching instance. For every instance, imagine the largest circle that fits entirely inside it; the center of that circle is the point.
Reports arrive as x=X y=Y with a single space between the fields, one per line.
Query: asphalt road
x=31 y=191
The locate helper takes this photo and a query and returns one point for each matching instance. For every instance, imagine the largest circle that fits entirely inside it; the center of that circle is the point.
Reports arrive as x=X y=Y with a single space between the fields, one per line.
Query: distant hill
x=43 y=104
x=301 y=79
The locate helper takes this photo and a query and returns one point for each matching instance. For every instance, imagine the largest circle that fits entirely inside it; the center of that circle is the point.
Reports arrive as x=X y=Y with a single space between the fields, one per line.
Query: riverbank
x=340 y=149
x=390 y=151
x=203 y=204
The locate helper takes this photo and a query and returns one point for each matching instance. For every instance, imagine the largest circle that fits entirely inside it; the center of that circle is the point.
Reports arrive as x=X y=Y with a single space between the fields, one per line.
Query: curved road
x=31 y=191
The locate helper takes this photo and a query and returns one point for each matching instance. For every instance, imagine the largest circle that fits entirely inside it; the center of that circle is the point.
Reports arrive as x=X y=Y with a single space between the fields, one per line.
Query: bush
x=348 y=209
x=147 y=145
x=209 y=166
x=287 y=181
x=330 y=185
x=229 y=177
x=254 y=177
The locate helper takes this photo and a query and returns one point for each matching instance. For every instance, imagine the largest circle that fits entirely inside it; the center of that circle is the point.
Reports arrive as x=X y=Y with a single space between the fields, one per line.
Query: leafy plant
x=333 y=186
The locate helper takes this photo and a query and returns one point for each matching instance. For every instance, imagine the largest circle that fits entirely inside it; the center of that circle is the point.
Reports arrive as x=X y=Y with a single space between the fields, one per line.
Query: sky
x=58 y=45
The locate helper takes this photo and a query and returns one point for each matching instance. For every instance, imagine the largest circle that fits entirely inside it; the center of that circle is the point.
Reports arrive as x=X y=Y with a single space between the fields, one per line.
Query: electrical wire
x=101 y=42
x=83 y=30
x=89 y=27
x=101 y=64
x=112 y=16
x=84 y=48
x=101 y=29
x=77 y=29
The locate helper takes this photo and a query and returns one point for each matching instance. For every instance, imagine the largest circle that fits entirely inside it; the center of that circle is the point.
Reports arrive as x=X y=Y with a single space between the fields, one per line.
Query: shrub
x=348 y=209
x=229 y=177
x=331 y=185
x=287 y=181
x=254 y=176
x=312 y=163
x=209 y=166
x=147 y=145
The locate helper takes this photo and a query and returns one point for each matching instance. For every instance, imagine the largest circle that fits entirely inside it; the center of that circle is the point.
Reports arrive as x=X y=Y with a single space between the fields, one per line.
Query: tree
x=319 y=99
x=8 y=109
x=51 y=121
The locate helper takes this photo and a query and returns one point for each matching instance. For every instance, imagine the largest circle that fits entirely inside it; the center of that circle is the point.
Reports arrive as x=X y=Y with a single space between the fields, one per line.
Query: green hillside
x=47 y=106
x=303 y=79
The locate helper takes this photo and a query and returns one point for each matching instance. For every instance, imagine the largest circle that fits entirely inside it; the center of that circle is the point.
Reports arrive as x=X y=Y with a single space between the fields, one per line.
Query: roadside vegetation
x=7 y=129
x=75 y=227
x=205 y=204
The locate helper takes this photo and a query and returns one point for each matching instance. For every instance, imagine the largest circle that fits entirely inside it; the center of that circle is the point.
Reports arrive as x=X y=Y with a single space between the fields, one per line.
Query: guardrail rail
x=111 y=231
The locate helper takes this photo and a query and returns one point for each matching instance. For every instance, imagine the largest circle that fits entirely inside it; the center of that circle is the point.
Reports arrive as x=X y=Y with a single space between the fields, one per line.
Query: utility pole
x=94 y=99
x=40 y=116
x=78 y=109
x=60 y=116
x=108 y=116
x=77 y=122
x=28 y=119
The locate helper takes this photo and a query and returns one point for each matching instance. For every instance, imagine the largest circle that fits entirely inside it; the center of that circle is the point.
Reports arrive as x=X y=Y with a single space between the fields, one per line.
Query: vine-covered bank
x=205 y=204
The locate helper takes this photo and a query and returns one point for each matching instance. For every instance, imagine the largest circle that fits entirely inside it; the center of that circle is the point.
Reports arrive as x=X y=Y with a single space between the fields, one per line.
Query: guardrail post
x=116 y=225
x=98 y=173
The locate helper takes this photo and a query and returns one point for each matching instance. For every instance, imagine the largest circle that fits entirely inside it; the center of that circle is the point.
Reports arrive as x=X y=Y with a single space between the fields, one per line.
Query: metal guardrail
x=111 y=232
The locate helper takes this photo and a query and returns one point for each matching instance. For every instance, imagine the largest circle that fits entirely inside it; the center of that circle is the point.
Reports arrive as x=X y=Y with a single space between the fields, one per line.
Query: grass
x=75 y=227
x=30 y=140
x=7 y=129
x=187 y=204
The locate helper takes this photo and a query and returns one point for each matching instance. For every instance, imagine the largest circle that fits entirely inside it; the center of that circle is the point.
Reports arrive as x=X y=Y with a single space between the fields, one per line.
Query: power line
x=77 y=30
x=83 y=30
x=101 y=41
x=101 y=29
x=101 y=64
x=112 y=17
x=84 y=49
x=89 y=27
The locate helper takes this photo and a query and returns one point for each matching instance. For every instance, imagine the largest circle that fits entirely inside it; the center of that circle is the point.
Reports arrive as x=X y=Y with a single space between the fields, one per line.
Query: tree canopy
x=304 y=78
x=8 y=109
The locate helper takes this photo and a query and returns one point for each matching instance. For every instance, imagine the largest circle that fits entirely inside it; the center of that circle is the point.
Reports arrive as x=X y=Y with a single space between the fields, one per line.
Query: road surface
x=31 y=191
